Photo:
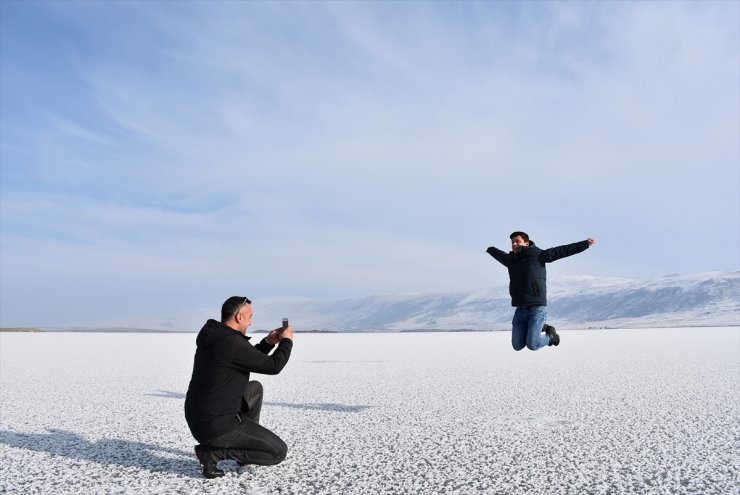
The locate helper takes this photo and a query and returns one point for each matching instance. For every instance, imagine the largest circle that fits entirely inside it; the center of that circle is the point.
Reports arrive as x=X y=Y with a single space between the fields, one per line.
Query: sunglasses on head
x=244 y=302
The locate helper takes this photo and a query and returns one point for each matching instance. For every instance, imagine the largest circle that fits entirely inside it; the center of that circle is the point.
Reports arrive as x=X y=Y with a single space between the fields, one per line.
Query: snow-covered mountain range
x=703 y=299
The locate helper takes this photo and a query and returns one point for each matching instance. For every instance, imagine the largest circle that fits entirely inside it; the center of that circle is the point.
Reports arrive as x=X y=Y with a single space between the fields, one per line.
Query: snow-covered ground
x=609 y=411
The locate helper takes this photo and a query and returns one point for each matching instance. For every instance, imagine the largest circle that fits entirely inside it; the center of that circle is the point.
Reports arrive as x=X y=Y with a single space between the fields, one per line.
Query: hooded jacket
x=527 y=273
x=223 y=360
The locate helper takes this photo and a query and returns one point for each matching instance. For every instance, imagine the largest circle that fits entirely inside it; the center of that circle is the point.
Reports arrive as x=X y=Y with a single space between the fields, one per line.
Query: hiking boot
x=208 y=462
x=550 y=332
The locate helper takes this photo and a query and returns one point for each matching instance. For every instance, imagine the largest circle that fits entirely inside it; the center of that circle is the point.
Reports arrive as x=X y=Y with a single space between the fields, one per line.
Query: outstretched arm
x=558 y=252
x=500 y=256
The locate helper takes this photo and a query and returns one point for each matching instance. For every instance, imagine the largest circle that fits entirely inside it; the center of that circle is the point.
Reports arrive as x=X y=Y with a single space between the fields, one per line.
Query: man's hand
x=279 y=334
x=591 y=242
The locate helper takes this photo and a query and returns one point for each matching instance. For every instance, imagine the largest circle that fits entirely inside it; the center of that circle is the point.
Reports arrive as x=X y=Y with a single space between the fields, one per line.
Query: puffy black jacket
x=223 y=360
x=527 y=274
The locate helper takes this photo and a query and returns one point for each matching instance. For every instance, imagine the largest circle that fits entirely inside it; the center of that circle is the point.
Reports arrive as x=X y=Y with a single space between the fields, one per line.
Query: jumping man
x=528 y=288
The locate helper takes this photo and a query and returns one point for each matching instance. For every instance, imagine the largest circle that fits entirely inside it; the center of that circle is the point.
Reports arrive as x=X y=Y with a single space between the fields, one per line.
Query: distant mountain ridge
x=703 y=299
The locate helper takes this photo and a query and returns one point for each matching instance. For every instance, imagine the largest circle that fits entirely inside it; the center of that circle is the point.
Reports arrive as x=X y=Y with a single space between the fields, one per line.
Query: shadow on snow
x=129 y=454
x=123 y=453
x=331 y=407
x=321 y=407
x=168 y=394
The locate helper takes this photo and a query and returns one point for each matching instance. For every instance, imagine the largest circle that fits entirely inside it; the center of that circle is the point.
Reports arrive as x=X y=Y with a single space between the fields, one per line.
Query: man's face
x=244 y=318
x=518 y=243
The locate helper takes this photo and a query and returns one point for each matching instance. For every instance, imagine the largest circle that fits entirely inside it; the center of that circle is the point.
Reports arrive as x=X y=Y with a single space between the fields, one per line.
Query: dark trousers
x=250 y=443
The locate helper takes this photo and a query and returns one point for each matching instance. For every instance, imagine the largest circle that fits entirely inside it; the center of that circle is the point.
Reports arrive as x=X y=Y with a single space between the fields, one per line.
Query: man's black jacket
x=223 y=360
x=527 y=274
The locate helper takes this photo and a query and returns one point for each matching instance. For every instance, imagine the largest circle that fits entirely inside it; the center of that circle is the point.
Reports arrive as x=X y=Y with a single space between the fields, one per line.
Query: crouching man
x=222 y=407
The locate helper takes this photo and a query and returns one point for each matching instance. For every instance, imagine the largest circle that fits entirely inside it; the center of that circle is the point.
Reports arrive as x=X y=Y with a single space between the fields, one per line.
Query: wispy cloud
x=194 y=150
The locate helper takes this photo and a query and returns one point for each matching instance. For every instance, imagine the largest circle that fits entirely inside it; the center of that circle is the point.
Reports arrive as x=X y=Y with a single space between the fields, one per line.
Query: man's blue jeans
x=527 y=328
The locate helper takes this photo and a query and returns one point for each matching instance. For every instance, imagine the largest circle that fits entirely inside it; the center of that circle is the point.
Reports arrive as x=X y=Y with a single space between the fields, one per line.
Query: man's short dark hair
x=523 y=235
x=232 y=305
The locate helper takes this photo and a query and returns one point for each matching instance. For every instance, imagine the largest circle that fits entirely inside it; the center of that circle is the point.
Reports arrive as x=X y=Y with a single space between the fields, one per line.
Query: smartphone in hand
x=285 y=323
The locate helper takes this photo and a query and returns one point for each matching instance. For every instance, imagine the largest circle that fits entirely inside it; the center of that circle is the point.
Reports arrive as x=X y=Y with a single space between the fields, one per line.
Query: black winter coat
x=223 y=360
x=527 y=274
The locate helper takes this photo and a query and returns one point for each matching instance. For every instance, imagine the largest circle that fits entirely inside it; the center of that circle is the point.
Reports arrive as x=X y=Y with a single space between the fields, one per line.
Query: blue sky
x=158 y=157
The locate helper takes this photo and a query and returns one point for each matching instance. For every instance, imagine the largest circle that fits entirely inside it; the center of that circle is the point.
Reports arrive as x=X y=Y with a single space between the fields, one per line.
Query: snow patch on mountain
x=702 y=299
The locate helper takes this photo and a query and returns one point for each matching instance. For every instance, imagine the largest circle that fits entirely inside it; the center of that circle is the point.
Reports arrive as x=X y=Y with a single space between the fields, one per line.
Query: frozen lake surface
x=608 y=411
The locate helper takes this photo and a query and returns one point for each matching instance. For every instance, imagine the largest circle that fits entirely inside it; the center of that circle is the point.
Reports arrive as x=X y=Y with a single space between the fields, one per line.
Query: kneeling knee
x=281 y=453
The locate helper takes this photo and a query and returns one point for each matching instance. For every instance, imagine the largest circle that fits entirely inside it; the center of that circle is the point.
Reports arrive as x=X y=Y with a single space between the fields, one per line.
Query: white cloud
x=368 y=147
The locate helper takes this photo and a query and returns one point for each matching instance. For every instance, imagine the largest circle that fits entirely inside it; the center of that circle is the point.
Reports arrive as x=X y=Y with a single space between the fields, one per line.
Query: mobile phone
x=285 y=323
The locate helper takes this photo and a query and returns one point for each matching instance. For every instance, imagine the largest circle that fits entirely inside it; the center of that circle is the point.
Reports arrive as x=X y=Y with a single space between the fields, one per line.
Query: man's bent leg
x=250 y=443
x=519 y=329
x=535 y=338
x=252 y=401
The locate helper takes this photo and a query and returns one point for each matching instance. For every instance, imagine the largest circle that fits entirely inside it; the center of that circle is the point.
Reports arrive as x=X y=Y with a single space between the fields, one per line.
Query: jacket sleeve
x=264 y=346
x=500 y=256
x=246 y=357
x=558 y=252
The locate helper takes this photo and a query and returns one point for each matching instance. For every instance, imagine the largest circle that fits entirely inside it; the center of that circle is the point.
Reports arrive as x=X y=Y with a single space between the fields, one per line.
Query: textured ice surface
x=617 y=411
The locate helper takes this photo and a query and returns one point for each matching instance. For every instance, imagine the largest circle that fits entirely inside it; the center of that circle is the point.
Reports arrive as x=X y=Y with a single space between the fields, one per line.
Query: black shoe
x=550 y=331
x=208 y=462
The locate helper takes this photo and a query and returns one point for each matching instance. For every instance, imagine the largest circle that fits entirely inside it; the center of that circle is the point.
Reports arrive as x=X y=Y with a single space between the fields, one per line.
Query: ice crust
x=608 y=411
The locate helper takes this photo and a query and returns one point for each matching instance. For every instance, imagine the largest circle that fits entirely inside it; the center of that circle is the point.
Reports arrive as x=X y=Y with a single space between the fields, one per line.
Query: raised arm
x=558 y=252
x=264 y=346
x=500 y=256
x=245 y=357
